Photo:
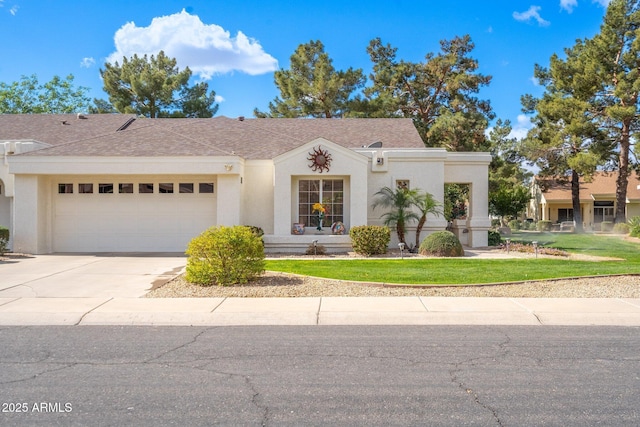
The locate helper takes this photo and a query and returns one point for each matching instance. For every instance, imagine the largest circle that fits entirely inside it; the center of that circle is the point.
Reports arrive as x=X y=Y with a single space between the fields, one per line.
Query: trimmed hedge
x=606 y=226
x=494 y=238
x=370 y=240
x=621 y=228
x=544 y=226
x=441 y=243
x=225 y=256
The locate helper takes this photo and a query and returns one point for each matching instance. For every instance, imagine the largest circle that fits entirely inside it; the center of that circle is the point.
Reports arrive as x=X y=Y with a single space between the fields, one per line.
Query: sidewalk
x=106 y=289
x=320 y=311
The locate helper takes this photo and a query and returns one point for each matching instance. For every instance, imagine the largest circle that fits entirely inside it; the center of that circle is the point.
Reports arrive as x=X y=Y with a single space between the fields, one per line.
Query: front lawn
x=461 y=271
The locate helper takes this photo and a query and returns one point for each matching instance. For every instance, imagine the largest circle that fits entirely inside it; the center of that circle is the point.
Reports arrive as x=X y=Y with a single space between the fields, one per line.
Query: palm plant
x=400 y=201
x=426 y=204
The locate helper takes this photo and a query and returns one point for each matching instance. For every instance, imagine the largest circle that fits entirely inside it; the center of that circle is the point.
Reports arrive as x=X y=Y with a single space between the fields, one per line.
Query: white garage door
x=131 y=216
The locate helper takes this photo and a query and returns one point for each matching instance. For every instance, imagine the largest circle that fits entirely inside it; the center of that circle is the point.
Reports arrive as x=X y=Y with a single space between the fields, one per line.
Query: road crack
x=39 y=374
x=457 y=369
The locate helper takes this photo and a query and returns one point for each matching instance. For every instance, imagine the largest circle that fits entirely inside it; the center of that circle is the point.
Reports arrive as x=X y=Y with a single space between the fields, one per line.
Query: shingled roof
x=55 y=129
x=602 y=185
x=121 y=135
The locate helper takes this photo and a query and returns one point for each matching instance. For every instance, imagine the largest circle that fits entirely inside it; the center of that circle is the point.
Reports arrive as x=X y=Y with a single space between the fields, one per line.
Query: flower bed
x=530 y=249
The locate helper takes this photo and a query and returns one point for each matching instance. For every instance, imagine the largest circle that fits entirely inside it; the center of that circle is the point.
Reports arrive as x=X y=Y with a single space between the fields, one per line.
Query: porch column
x=478 y=221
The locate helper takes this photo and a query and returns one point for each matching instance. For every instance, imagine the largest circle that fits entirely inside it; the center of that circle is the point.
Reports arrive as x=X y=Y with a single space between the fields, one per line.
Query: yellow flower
x=317 y=207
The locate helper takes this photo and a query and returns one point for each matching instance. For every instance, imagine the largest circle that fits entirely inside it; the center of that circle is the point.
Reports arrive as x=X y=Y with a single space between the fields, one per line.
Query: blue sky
x=236 y=45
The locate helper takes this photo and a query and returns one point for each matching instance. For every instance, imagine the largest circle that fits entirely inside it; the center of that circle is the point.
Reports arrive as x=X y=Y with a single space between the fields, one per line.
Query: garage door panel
x=130 y=222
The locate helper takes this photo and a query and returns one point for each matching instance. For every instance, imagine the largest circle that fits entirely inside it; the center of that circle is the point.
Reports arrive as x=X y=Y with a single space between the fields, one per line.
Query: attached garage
x=121 y=183
x=132 y=213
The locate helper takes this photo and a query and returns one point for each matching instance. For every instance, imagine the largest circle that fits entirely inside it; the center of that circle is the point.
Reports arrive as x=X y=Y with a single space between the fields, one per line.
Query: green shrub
x=606 y=226
x=225 y=256
x=441 y=243
x=4 y=239
x=316 y=250
x=258 y=231
x=494 y=238
x=621 y=228
x=370 y=239
x=634 y=226
x=495 y=223
x=544 y=226
x=514 y=224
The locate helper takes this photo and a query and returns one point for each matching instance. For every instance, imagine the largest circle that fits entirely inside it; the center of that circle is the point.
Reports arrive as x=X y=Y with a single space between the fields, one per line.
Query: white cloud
x=568 y=5
x=532 y=13
x=14 y=10
x=87 y=62
x=207 y=49
x=519 y=130
x=219 y=98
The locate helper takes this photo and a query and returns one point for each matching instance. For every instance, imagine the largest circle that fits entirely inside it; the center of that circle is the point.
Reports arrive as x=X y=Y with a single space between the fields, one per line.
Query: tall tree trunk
x=423 y=219
x=623 y=173
x=400 y=231
x=575 y=198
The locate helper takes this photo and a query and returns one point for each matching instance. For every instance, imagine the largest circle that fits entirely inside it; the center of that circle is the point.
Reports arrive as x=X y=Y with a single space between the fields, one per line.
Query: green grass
x=461 y=271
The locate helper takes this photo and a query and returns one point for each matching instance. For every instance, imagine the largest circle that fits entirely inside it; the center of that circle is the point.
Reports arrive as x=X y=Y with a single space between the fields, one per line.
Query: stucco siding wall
x=478 y=177
x=633 y=209
x=229 y=199
x=31 y=225
x=292 y=166
x=554 y=210
x=5 y=208
x=6 y=215
x=258 y=198
x=421 y=174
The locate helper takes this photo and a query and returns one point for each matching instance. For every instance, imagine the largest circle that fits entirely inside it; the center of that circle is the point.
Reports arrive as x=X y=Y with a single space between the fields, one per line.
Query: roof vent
x=241 y=118
x=126 y=124
x=377 y=144
x=64 y=122
x=81 y=116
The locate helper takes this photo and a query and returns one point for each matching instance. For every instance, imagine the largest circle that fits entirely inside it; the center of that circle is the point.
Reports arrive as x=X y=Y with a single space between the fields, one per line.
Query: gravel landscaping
x=275 y=284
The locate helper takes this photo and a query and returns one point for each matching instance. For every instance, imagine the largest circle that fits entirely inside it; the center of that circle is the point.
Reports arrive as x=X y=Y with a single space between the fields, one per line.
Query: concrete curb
x=321 y=311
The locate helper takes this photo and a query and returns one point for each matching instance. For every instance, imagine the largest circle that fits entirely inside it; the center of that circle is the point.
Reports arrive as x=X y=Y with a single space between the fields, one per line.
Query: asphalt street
x=339 y=375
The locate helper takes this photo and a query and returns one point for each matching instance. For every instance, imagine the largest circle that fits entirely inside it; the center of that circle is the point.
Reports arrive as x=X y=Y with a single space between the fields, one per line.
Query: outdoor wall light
x=228 y=167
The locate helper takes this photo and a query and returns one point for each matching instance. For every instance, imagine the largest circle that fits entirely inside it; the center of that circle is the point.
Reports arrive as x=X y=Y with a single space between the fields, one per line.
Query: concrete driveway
x=86 y=275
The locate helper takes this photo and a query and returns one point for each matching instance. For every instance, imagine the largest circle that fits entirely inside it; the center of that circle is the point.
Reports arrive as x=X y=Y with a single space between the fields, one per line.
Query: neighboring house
x=551 y=199
x=117 y=183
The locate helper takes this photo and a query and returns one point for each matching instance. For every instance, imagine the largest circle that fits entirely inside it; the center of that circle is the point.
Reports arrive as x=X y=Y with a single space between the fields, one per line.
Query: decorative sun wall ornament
x=320 y=159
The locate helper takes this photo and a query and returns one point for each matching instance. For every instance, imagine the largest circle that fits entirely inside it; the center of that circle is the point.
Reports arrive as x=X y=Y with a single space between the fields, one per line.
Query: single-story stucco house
x=120 y=183
x=551 y=199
